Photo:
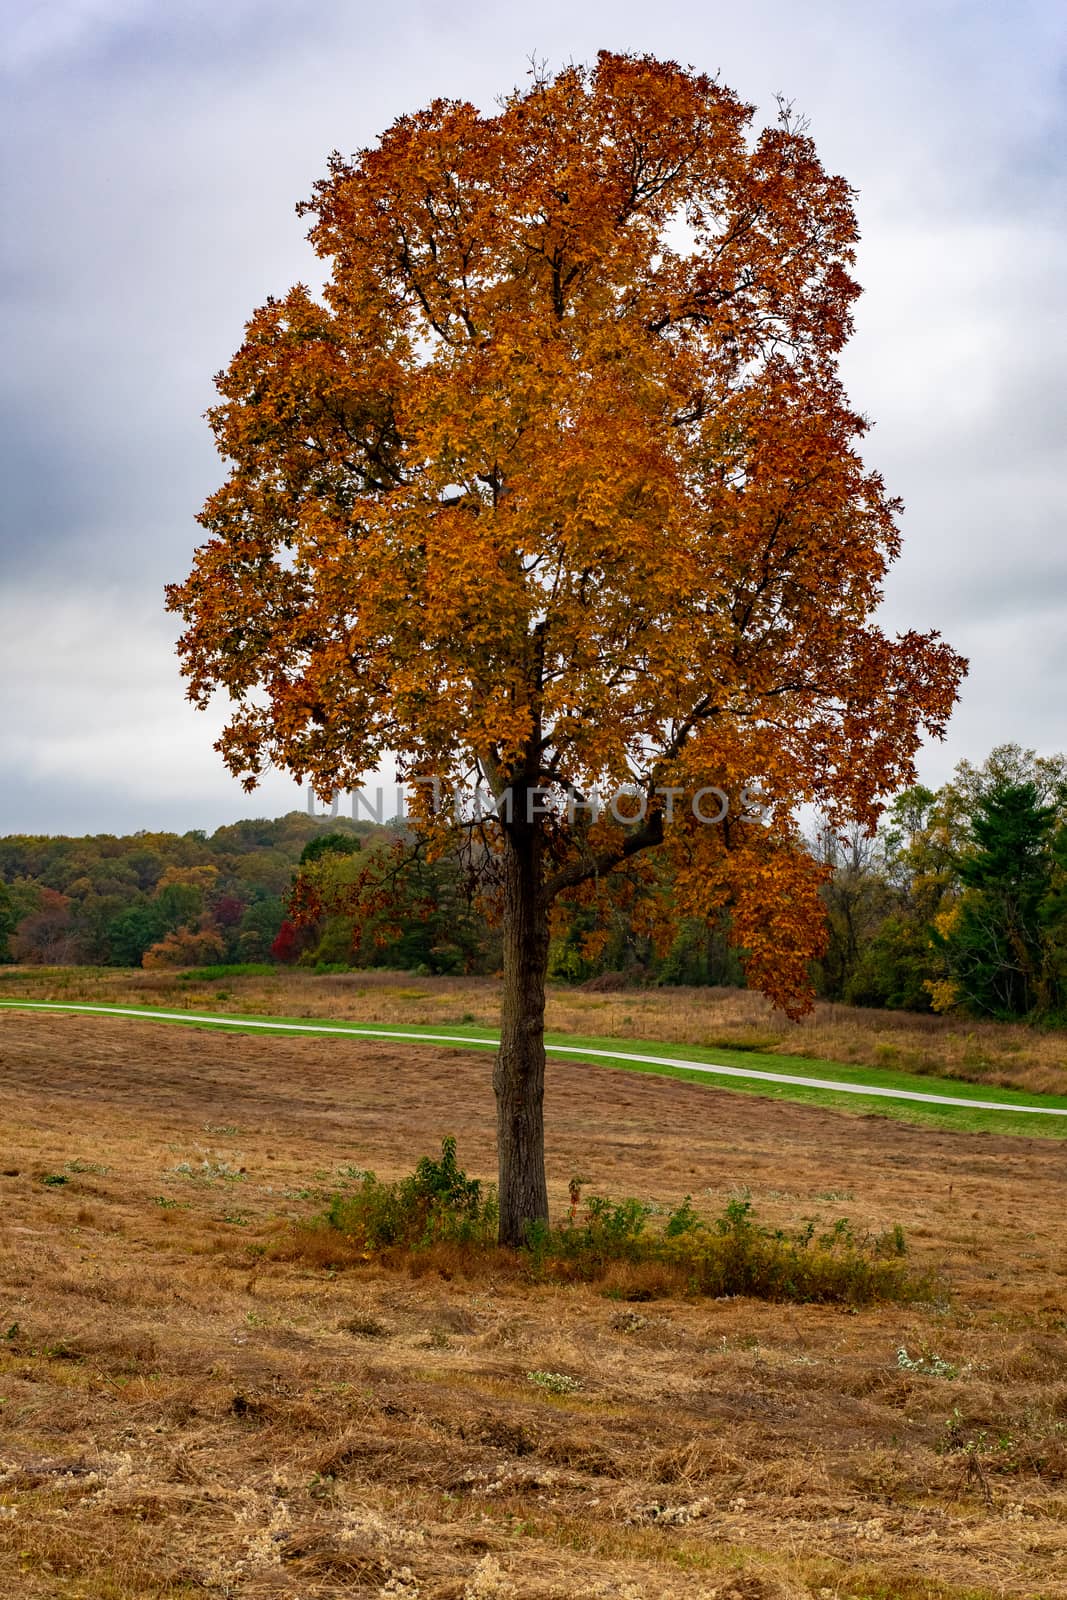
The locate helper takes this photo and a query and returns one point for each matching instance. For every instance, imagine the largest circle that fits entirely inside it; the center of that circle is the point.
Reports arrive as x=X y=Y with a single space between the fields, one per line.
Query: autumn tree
x=186 y=947
x=555 y=487
x=48 y=935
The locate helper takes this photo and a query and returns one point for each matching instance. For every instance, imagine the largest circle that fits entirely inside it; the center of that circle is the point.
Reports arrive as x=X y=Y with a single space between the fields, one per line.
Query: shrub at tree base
x=436 y=1204
x=439 y=1216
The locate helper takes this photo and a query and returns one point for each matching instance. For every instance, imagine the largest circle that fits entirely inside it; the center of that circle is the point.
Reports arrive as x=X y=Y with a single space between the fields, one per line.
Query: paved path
x=564 y=1050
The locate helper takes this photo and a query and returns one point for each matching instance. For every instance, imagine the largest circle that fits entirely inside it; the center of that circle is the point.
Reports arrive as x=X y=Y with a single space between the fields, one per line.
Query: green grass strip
x=865 y=1090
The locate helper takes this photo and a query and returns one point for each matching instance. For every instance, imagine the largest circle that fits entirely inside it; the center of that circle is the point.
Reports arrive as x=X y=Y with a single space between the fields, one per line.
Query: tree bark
x=519 y=1072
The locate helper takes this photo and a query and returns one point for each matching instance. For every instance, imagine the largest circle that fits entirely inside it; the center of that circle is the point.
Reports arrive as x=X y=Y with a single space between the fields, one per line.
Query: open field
x=941 y=1102
x=186 y=1414
x=996 y=1054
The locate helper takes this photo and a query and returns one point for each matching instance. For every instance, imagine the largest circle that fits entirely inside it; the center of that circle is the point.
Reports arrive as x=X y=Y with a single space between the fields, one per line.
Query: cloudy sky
x=153 y=155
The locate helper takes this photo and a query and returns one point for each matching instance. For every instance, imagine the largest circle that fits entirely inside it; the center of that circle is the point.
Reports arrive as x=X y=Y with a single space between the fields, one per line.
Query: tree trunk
x=519 y=1072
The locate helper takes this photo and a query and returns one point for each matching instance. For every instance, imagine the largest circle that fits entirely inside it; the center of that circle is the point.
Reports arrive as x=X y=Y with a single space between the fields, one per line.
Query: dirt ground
x=183 y=1415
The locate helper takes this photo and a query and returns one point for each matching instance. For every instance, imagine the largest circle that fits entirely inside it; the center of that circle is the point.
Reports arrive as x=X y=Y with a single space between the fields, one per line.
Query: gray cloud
x=153 y=158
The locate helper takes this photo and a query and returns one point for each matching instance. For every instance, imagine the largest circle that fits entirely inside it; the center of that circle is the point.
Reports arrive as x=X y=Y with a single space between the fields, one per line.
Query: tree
x=8 y=920
x=259 y=928
x=326 y=844
x=132 y=932
x=1053 y=913
x=556 y=487
x=287 y=943
x=18 y=900
x=186 y=947
x=856 y=897
x=392 y=907
x=180 y=894
x=47 y=936
x=1007 y=765
x=994 y=941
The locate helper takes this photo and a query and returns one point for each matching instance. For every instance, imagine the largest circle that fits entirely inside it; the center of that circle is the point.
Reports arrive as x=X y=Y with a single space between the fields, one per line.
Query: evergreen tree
x=994 y=944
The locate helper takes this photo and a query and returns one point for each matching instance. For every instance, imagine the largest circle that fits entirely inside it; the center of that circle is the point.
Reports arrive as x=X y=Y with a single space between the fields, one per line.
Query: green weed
x=436 y=1204
x=236 y=969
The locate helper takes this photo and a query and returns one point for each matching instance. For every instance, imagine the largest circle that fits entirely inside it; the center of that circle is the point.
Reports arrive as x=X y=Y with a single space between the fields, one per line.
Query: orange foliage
x=557 y=485
x=186 y=947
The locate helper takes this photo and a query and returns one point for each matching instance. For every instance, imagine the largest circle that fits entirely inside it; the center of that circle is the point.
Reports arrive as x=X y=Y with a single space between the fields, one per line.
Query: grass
x=185 y=1412
x=955 y=1117
x=957 y=1048
x=233 y=969
x=960 y=1118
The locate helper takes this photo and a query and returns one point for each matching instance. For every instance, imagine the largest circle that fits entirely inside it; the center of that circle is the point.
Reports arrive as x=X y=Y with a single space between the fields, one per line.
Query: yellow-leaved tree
x=555 y=487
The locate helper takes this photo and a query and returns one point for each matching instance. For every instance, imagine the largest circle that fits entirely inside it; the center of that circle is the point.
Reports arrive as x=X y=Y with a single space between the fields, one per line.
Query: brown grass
x=1007 y=1055
x=185 y=1416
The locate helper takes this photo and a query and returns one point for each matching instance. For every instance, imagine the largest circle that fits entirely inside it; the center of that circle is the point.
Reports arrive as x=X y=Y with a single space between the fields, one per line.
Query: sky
x=153 y=155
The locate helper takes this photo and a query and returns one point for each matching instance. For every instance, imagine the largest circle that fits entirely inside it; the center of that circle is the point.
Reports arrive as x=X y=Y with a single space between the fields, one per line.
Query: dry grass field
x=184 y=1412
x=1010 y=1056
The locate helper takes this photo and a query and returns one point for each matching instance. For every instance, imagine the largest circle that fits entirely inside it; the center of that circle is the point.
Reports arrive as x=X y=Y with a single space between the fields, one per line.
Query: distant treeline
x=152 y=899
x=959 y=902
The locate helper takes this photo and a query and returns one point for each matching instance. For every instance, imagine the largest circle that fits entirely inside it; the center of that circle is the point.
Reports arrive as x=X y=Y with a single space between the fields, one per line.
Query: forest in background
x=957 y=903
